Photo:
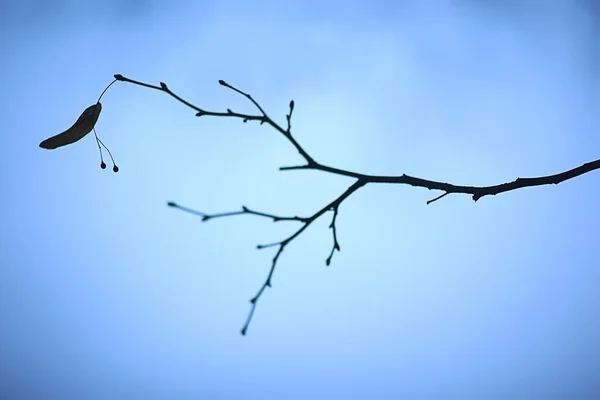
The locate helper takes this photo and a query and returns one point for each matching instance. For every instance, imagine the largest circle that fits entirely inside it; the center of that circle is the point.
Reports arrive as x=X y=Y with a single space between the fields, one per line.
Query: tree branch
x=263 y=118
x=334 y=205
x=361 y=180
x=245 y=210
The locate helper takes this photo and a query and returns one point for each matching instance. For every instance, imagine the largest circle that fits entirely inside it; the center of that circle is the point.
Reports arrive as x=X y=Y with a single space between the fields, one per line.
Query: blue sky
x=105 y=292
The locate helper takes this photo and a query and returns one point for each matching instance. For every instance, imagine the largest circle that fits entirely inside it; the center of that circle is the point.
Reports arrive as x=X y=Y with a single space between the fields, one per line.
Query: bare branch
x=334 y=205
x=245 y=210
x=282 y=244
x=264 y=118
x=476 y=192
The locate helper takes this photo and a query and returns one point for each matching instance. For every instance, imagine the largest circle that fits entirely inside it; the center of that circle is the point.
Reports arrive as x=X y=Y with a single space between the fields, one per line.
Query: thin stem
x=102 y=163
x=104 y=91
x=336 y=245
x=245 y=210
x=99 y=142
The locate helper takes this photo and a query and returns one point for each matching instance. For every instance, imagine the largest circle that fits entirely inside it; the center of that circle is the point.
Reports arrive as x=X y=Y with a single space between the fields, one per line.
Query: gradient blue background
x=107 y=293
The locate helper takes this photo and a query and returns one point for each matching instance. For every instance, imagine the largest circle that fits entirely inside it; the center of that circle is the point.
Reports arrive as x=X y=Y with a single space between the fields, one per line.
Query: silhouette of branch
x=263 y=118
x=334 y=205
x=477 y=192
x=245 y=210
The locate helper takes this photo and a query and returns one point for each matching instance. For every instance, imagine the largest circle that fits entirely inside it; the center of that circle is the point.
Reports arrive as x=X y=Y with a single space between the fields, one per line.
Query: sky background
x=107 y=293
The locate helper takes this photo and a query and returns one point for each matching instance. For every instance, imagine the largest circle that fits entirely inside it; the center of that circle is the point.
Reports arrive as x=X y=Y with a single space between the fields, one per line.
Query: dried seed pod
x=84 y=125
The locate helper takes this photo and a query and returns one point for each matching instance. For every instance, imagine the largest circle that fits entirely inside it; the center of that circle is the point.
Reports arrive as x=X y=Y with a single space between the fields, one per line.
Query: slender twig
x=334 y=205
x=282 y=244
x=476 y=192
x=289 y=118
x=222 y=82
x=244 y=210
x=264 y=118
x=336 y=245
x=437 y=198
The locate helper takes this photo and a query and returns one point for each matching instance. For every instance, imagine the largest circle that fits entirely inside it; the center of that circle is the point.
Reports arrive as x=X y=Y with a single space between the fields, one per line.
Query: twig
x=334 y=205
x=437 y=198
x=282 y=244
x=476 y=192
x=336 y=245
x=244 y=117
x=245 y=210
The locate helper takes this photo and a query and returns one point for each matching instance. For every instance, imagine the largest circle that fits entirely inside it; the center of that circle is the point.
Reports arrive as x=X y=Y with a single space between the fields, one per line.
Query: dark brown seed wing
x=84 y=125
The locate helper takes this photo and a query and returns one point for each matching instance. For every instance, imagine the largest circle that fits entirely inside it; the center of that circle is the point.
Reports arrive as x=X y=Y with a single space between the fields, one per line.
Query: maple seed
x=103 y=165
